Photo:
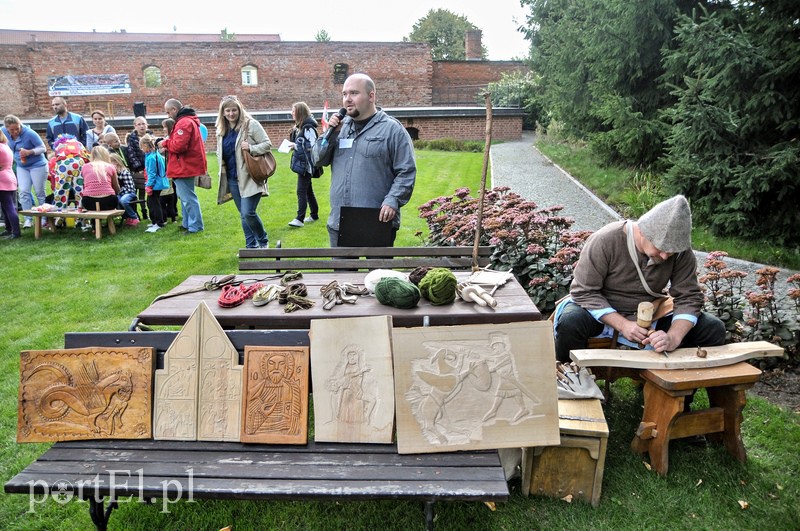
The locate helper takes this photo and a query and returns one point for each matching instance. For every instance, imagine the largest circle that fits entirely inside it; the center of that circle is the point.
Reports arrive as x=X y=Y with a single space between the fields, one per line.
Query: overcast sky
x=380 y=20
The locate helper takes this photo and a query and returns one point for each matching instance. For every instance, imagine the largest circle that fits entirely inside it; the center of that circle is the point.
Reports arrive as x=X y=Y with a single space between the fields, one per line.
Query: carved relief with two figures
x=475 y=386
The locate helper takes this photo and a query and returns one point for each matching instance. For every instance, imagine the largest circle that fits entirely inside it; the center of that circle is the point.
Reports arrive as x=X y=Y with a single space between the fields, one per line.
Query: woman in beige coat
x=237 y=130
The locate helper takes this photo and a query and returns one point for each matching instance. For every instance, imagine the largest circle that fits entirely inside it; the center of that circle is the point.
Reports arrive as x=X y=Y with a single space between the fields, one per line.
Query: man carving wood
x=627 y=262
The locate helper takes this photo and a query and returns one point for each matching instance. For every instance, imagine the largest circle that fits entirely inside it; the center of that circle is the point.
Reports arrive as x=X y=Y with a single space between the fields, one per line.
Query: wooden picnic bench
x=343 y=258
x=98 y=216
x=171 y=470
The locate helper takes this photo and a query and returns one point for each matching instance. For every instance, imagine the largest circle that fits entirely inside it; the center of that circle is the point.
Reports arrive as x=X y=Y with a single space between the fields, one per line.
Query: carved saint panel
x=475 y=386
x=275 y=397
x=351 y=369
x=87 y=393
x=198 y=392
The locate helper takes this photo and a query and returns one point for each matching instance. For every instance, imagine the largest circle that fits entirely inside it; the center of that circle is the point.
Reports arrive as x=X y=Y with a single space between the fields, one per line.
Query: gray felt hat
x=668 y=225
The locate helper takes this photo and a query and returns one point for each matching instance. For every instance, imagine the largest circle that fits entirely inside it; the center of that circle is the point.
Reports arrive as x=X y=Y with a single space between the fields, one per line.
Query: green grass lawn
x=70 y=282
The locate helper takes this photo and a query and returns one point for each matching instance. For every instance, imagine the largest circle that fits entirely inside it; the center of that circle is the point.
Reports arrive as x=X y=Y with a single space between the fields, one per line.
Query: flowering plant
x=752 y=315
x=535 y=244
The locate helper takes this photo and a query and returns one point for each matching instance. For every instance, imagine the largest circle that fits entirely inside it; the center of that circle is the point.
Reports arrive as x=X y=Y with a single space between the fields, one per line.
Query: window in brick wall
x=340 y=71
x=152 y=77
x=249 y=76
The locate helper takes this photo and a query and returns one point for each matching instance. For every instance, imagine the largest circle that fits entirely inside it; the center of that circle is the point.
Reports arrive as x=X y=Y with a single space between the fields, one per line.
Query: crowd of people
x=370 y=154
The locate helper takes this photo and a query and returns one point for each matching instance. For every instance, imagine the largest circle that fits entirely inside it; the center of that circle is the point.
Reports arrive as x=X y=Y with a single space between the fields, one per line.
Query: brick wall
x=461 y=82
x=200 y=73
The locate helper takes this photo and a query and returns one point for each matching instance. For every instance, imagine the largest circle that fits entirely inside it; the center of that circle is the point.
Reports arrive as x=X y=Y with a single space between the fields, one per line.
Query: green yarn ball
x=439 y=286
x=397 y=292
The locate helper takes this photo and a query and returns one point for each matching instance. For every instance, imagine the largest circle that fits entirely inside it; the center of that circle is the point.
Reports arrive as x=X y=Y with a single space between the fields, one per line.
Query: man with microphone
x=371 y=156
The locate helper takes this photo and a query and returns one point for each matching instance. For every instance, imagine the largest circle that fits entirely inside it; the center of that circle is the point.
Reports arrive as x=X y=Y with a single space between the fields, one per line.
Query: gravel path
x=526 y=171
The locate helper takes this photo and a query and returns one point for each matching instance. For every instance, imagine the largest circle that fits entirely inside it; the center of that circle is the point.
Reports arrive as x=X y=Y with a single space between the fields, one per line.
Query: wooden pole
x=487 y=96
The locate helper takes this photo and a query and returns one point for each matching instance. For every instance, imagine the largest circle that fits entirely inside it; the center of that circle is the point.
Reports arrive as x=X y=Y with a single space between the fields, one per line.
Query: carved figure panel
x=198 y=393
x=475 y=386
x=275 y=397
x=220 y=397
x=351 y=369
x=87 y=393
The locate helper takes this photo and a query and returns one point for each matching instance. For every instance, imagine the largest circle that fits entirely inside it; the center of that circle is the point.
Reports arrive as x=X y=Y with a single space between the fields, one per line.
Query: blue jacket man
x=65 y=122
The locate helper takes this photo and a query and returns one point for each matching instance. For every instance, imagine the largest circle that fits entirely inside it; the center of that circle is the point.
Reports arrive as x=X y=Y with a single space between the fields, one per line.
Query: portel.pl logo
x=119 y=485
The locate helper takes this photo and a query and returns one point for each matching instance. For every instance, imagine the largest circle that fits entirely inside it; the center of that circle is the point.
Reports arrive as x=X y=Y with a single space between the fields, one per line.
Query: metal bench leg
x=429 y=515
x=100 y=515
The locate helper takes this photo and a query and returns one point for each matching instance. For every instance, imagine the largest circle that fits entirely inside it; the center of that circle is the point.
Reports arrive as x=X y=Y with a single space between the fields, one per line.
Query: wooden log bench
x=360 y=258
x=98 y=216
x=171 y=470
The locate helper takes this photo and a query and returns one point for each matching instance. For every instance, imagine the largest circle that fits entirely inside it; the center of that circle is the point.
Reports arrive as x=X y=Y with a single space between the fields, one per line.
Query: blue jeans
x=28 y=178
x=254 y=234
x=190 y=204
x=125 y=202
x=576 y=326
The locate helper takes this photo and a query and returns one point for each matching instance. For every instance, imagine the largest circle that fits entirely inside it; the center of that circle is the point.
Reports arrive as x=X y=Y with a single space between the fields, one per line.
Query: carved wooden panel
x=220 y=392
x=87 y=393
x=275 y=397
x=475 y=386
x=351 y=371
x=198 y=393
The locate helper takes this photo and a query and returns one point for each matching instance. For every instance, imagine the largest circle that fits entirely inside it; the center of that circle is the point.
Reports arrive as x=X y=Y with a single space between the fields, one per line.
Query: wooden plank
x=359 y=263
x=240 y=471
x=330 y=252
x=710 y=420
x=682 y=358
x=491 y=489
x=686 y=379
x=582 y=417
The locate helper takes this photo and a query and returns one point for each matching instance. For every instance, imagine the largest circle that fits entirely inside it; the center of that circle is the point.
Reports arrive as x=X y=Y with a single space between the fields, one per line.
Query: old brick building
x=433 y=99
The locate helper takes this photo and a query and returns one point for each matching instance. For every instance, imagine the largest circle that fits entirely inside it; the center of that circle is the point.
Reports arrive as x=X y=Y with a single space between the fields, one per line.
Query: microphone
x=324 y=142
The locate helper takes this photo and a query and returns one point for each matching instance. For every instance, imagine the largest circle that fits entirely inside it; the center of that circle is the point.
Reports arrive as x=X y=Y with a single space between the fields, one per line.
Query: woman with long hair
x=96 y=135
x=237 y=131
x=303 y=136
x=100 y=184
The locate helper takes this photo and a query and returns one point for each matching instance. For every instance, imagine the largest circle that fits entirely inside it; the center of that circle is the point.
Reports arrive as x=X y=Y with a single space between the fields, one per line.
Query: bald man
x=65 y=123
x=371 y=155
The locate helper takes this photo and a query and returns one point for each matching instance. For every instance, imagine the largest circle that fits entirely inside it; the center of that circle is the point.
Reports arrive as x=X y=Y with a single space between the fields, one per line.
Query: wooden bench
x=98 y=217
x=172 y=470
x=344 y=258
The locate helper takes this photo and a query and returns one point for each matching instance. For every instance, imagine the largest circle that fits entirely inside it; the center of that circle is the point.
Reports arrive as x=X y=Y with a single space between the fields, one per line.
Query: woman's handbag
x=204 y=181
x=260 y=167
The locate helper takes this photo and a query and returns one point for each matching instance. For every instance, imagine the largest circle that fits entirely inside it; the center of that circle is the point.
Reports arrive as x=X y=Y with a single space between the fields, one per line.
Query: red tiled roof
x=23 y=37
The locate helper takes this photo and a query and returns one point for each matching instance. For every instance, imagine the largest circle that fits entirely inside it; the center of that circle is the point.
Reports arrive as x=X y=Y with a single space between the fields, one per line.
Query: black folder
x=360 y=227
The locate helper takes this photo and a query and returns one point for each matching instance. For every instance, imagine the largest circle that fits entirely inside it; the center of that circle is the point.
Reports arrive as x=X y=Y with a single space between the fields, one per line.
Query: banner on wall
x=89 y=85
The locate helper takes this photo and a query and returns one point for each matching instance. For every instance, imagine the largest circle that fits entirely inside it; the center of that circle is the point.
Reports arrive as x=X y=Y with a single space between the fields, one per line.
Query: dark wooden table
x=513 y=305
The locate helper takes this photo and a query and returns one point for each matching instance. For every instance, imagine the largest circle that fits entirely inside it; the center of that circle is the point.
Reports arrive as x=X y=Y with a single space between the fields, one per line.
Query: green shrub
x=450 y=144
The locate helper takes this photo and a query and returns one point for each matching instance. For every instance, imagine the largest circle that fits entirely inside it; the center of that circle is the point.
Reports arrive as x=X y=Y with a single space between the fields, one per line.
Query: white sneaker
x=296 y=223
x=309 y=219
x=152 y=228
x=27 y=224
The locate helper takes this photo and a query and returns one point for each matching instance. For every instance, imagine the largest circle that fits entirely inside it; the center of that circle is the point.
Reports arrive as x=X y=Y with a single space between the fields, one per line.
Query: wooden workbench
x=513 y=305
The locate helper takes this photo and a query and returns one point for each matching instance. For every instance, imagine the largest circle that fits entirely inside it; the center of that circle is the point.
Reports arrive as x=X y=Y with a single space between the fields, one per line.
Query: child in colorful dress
x=156 y=171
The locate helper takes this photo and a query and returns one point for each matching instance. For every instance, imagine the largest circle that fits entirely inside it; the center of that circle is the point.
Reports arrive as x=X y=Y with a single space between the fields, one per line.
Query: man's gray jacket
x=378 y=169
